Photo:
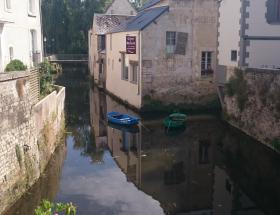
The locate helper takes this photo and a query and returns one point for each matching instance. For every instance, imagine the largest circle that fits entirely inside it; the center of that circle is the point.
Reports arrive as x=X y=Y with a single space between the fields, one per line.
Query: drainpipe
x=41 y=26
x=192 y=33
x=139 y=63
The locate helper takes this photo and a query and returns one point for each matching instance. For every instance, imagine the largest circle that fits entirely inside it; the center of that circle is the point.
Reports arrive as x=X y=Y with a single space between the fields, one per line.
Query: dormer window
x=8 y=5
x=31 y=7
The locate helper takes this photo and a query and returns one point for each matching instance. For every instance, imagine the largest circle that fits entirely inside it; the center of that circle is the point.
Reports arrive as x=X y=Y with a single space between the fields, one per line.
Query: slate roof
x=141 y=20
x=149 y=4
x=109 y=5
x=104 y=23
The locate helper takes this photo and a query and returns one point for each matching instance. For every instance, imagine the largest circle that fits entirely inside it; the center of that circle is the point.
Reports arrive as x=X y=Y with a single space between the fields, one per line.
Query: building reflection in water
x=45 y=188
x=193 y=172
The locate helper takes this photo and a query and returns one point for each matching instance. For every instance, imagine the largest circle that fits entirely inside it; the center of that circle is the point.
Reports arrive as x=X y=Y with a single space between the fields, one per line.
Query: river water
x=209 y=168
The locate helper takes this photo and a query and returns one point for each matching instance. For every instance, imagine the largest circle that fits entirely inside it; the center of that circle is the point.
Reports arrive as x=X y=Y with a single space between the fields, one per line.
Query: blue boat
x=122 y=119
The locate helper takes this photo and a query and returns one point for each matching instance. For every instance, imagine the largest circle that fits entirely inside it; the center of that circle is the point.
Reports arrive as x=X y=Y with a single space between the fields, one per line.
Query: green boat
x=175 y=120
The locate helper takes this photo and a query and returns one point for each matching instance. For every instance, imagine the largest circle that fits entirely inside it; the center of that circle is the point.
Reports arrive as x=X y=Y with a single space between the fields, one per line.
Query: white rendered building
x=249 y=34
x=20 y=32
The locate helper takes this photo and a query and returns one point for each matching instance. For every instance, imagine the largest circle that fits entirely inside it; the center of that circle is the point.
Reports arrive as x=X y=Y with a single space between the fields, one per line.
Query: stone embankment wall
x=252 y=103
x=28 y=133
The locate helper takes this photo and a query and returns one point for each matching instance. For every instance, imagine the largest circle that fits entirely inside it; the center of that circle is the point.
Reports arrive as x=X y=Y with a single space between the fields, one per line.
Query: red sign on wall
x=130 y=44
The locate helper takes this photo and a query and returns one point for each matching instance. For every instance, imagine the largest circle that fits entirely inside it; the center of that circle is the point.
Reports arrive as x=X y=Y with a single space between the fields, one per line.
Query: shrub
x=49 y=208
x=276 y=144
x=46 y=80
x=15 y=65
x=237 y=86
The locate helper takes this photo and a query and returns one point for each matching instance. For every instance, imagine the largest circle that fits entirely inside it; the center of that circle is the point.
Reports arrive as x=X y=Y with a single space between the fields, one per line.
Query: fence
x=34 y=82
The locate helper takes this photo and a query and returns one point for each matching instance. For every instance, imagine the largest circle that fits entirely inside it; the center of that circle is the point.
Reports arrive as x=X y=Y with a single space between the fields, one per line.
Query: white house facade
x=20 y=32
x=249 y=34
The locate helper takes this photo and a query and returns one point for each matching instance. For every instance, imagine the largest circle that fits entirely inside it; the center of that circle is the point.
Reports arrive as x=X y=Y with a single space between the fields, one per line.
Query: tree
x=66 y=24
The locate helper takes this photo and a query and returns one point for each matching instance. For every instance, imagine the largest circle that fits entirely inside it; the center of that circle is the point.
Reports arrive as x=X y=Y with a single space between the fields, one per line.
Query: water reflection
x=45 y=188
x=206 y=169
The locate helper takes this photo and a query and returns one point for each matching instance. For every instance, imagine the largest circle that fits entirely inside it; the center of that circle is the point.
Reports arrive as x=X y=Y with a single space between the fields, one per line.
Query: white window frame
x=125 y=66
x=8 y=9
x=207 y=64
x=134 y=68
x=33 y=4
x=171 y=42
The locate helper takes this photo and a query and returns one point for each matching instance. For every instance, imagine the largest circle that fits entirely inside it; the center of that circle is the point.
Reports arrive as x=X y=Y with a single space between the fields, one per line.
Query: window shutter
x=182 y=39
x=271 y=11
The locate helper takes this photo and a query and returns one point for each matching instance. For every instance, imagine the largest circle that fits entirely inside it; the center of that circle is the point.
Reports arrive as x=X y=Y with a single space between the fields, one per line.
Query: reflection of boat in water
x=122 y=119
x=174 y=132
x=131 y=129
x=175 y=120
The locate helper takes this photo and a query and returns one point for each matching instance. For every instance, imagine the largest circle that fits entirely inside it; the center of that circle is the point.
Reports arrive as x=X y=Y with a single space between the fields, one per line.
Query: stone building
x=116 y=12
x=249 y=34
x=166 y=53
x=20 y=32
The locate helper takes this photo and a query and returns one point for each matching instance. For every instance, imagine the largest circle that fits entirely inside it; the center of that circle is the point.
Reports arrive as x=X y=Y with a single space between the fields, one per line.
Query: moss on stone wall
x=237 y=86
x=19 y=155
x=151 y=105
x=276 y=144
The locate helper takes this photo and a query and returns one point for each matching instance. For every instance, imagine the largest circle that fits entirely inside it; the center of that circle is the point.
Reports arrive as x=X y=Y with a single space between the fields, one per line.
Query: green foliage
x=46 y=80
x=66 y=24
x=49 y=208
x=276 y=144
x=237 y=86
x=15 y=65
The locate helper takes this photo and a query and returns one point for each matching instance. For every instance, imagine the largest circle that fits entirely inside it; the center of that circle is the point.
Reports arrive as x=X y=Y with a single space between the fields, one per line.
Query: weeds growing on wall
x=46 y=70
x=19 y=155
x=276 y=144
x=237 y=86
x=15 y=65
x=49 y=208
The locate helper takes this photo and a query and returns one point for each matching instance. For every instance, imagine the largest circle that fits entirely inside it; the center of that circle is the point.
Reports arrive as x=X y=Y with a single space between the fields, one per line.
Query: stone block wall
x=256 y=109
x=177 y=78
x=22 y=156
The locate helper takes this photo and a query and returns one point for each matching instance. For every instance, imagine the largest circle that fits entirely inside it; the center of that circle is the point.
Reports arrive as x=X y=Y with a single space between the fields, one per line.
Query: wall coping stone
x=7 y=76
x=61 y=88
x=263 y=71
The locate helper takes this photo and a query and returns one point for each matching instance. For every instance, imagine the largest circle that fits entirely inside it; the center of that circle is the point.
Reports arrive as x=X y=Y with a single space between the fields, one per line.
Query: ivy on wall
x=237 y=87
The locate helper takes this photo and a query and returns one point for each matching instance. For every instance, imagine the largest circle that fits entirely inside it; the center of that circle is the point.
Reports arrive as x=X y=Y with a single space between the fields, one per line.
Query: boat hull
x=122 y=119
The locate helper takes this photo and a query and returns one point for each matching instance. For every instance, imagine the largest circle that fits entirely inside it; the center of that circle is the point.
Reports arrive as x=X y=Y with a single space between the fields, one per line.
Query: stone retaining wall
x=260 y=115
x=28 y=134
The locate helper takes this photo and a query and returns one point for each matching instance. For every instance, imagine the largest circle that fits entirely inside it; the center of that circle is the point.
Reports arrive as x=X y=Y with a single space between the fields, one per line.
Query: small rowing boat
x=175 y=120
x=122 y=119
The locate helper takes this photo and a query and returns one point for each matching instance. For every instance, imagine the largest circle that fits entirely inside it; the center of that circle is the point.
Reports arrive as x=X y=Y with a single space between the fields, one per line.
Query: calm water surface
x=208 y=168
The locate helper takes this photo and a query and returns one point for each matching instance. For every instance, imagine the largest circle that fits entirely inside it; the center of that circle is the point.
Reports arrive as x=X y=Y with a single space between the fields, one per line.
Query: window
x=31 y=7
x=134 y=72
x=176 y=42
x=33 y=41
x=11 y=52
x=124 y=61
x=206 y=62
x=170 y=42
x=233 y=55
x=101 y=42
x=8 y=4
x=273 y=11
